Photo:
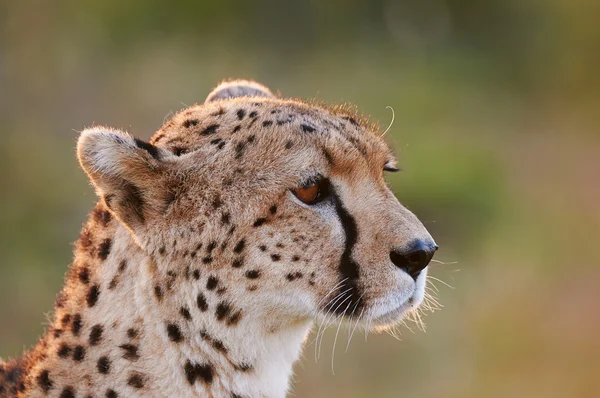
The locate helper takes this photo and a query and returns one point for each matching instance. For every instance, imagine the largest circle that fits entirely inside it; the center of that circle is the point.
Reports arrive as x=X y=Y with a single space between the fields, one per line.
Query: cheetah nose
x=414 y=259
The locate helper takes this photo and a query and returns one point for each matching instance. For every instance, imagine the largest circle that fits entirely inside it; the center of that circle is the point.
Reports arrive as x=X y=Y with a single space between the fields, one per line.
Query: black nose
x=415 y=258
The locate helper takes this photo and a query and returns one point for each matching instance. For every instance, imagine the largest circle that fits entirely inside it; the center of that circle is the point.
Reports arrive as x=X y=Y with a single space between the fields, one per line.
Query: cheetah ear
x=126 y=173
x=239 y=88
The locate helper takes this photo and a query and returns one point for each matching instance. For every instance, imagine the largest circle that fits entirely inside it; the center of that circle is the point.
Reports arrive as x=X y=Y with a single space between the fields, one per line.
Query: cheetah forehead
x=233 y=121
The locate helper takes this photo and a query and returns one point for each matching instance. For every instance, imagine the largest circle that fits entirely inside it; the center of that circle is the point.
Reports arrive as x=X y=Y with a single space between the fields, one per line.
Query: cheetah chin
x=215 y=246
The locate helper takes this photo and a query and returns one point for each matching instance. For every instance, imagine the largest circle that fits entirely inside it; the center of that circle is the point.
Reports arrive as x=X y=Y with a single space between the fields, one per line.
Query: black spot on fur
x=158 y=293
x=190 y=122
x=132 y=333
x=262 y=248
x=237 y=263
x=103 y=365
x=210 y=129
x=267 y=123
x=295 y=258
x=351 y=120
x=273 y=209
x=275 y=257
x=102 y=216
x=212 y=282
x=86 y=240
x=243 y=367
x=161 y=251
x=76 y=325
x=151 y=149
x=174 y=333
x=64 y=350
x=130 y=352
x=65 y=319
x=259 y=222
x=135 y=380
x=67 y=392
x=207 y=260
x=239 y=149
x=253 y=274
x=234 y=318
x=201 y=302
x=178 y=151
x=236 y=129
x=225 y=218
x=219 y=346
x=113 y=282
x=185 y=313
x=223 y=310
x=307 y=129
x=193 y=372
x=93 y=295
x=240 y=114
x=104 y=249
x=111 y=394
x=211 y=246
x=79 y=353
x=43 y=380
x=196 y=274
x=221 y=145
x=96 y=334
x=251 y=138
x=253 y=114
x=293 y=276
x=239 y=247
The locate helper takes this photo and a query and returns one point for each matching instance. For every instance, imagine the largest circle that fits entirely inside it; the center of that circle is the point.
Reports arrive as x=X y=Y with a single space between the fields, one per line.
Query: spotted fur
x=199 y=273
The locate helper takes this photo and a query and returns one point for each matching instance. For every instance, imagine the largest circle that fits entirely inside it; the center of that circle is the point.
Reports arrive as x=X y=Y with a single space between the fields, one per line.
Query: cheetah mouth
x=393 y=316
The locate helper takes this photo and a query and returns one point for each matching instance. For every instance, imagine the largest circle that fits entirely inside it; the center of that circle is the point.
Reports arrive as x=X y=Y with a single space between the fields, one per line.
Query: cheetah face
x=281 y=205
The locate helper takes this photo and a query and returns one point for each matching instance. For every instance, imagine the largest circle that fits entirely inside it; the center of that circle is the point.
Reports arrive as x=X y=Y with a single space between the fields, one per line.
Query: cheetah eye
x=312 y=191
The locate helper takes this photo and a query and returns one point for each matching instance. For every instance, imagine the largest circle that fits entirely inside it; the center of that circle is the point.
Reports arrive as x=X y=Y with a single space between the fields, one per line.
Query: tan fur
x=199 y=273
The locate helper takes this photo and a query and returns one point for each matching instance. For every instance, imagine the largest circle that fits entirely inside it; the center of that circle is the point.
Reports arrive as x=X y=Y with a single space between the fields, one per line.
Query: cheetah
x=215 y=246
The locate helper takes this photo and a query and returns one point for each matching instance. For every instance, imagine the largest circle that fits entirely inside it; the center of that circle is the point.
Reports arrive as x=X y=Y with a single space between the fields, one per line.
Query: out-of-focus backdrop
x=497 y=117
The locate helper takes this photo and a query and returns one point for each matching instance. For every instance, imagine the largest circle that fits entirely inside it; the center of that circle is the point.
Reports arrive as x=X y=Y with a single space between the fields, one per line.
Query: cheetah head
x=279 y=206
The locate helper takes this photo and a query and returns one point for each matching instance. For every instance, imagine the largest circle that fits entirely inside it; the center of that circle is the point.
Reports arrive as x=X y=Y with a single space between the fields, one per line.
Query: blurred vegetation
x=496 y=128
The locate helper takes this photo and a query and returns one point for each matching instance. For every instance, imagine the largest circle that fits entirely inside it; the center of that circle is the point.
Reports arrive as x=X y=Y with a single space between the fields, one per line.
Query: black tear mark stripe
x=348 y=267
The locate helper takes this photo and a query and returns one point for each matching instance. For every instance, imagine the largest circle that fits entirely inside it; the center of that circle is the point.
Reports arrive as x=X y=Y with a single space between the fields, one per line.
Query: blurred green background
x=496 y=128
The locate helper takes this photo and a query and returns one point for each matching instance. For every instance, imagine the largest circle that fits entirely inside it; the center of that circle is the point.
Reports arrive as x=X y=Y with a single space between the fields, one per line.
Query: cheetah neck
x=121 y=326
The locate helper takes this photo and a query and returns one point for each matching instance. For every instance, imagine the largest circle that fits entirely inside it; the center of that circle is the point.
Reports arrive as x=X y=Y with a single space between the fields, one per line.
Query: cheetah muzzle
x=216 y=245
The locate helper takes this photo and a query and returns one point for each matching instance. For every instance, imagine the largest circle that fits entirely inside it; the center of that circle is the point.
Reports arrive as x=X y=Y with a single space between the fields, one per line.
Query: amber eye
x=308 y=194
x=312 y=192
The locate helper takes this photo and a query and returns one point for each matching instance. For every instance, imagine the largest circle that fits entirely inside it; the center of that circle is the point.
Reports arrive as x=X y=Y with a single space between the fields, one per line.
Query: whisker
x=391 y=122
x=324 y=325
x=443 y=262
x=336 y=336
x=439 y=280
x=353 y=329
x=329 y=323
